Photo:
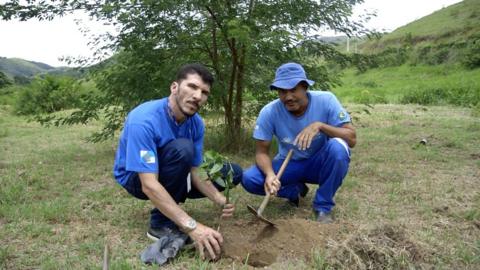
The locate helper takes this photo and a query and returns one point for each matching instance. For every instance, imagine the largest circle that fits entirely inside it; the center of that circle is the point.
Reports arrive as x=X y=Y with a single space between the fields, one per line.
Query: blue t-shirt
x=275 y=120
x=148 y=127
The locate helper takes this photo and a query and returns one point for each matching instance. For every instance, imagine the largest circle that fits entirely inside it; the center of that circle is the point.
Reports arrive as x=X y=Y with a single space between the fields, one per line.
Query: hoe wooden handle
x=279 y=174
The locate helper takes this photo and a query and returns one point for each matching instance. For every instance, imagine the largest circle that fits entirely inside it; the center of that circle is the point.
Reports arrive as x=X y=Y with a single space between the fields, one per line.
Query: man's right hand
x=206 y=238
x=272 y=184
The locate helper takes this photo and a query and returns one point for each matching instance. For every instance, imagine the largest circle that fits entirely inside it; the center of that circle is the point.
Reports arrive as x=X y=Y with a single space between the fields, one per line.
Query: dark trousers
x=175 y=160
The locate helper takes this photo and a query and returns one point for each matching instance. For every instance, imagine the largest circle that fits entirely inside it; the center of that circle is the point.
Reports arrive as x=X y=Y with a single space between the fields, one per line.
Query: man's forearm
x=264 y=163
x=162 y=200
x=347 y=133
x=207 y=188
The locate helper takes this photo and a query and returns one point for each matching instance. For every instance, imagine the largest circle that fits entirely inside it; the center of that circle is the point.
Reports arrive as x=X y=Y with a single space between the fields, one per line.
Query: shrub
x=471 y=58
x=47 y=95
x=393 y=57
x=4 y=80
x=436 y=96
x=366 y=97
x=364 y=62
x=7 y=94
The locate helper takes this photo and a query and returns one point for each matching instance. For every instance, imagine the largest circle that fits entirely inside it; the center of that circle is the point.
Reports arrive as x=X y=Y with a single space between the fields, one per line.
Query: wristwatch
x=189 y=226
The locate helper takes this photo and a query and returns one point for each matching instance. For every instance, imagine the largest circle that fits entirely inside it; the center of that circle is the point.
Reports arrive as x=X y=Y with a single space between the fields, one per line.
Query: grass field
x=59 y=203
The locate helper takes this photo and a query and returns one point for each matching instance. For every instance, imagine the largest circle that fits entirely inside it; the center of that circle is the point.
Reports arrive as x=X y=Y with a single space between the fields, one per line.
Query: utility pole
x=348 y=44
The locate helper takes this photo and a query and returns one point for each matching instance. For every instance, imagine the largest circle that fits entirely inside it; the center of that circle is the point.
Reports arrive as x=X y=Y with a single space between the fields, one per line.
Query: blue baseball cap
x=288 y=76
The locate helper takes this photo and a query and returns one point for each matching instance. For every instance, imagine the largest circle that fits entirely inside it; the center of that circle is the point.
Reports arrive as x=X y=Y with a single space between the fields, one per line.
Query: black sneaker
x=303 y=192
x=323 y=217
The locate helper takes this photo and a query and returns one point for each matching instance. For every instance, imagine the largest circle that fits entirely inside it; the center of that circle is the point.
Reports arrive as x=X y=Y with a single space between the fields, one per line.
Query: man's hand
x=305 y=137
x=207 y=241
x=272 y=184
x=228 y=210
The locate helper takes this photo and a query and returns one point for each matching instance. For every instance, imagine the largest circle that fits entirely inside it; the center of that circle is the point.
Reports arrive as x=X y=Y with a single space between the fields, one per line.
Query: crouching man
x=317 y=127
x=159 y=151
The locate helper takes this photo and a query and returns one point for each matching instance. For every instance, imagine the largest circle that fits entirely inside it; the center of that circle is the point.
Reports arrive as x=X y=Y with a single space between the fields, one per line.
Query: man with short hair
x=159 y=151
x=318 y=129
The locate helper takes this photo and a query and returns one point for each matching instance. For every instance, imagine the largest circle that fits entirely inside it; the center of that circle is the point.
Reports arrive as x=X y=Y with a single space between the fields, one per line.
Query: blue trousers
x=175 y=160
x=326 y=168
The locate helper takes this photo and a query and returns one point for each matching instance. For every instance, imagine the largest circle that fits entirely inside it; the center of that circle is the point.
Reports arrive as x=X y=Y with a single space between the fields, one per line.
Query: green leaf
x=215 y=169
x=220 y=181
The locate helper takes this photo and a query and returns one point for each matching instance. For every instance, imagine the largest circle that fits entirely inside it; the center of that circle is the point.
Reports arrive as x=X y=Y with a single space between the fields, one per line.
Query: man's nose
x=288 y=94
x=197 y=95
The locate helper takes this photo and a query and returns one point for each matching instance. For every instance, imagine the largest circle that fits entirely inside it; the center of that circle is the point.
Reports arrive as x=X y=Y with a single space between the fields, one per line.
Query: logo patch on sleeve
x=342 y=115
x=147 y=156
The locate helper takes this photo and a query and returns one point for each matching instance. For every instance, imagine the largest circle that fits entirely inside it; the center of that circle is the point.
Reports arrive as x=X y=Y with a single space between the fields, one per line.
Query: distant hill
x=449 y=25
x=13 y=67
x=18 y=67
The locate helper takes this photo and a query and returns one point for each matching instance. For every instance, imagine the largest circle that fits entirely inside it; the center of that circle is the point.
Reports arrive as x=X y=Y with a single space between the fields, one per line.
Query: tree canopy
x=241 y=41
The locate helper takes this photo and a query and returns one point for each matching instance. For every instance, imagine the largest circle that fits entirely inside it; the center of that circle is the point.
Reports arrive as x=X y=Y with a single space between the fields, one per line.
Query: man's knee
x=237 y=173
x=338 y=150
x=180 y=150
x=250 y=181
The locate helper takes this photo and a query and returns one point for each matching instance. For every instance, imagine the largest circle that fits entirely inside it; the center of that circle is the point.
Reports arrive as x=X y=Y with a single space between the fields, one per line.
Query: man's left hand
x=305 y=137
x=228 y=210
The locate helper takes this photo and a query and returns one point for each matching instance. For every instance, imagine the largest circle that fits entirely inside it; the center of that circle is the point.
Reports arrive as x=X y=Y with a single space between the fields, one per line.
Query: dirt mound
x=385 y=247
x=260 y=245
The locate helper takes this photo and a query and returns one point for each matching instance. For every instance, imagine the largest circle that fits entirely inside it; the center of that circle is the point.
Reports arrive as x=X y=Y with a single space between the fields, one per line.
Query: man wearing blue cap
x=317 y=127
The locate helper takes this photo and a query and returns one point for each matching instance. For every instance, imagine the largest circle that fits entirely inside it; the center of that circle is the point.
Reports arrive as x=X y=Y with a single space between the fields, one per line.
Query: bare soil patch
x=261 y=245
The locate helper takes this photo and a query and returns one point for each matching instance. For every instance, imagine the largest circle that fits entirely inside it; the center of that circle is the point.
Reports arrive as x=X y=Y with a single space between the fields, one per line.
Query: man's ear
x=174 y=87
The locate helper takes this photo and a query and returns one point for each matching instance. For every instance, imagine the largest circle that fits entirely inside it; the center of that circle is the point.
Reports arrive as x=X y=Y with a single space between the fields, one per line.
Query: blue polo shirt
x=275 y=120
x=147 y=128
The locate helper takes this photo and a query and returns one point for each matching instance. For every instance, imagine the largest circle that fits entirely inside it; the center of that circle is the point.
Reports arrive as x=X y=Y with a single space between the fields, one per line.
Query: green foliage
x=241 y=41
x=363 y=62
x=437 y=96
x=392 y=57
x=471 y=58
x=216 y=138
x=367 y=97
x=21 y=80
x=47 y=95
x=4 y=80
x=393 y=83
x=210 y=170
x=7 y=94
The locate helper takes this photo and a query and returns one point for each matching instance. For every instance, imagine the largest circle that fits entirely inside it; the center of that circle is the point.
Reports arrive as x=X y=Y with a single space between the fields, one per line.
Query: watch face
x=191 y=224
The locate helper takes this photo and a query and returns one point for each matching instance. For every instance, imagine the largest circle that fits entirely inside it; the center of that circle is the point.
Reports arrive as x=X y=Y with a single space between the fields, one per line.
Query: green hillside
x=454 y=24
x=425 y=84
x=18 y=67
x=432 y=61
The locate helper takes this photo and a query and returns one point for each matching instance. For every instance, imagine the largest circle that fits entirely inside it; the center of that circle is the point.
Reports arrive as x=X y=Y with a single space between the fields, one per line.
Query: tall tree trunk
x=240 y=86
x=229 y=112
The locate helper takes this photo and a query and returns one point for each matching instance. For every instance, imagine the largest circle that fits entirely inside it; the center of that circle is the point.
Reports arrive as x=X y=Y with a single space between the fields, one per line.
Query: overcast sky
x=47 y=41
